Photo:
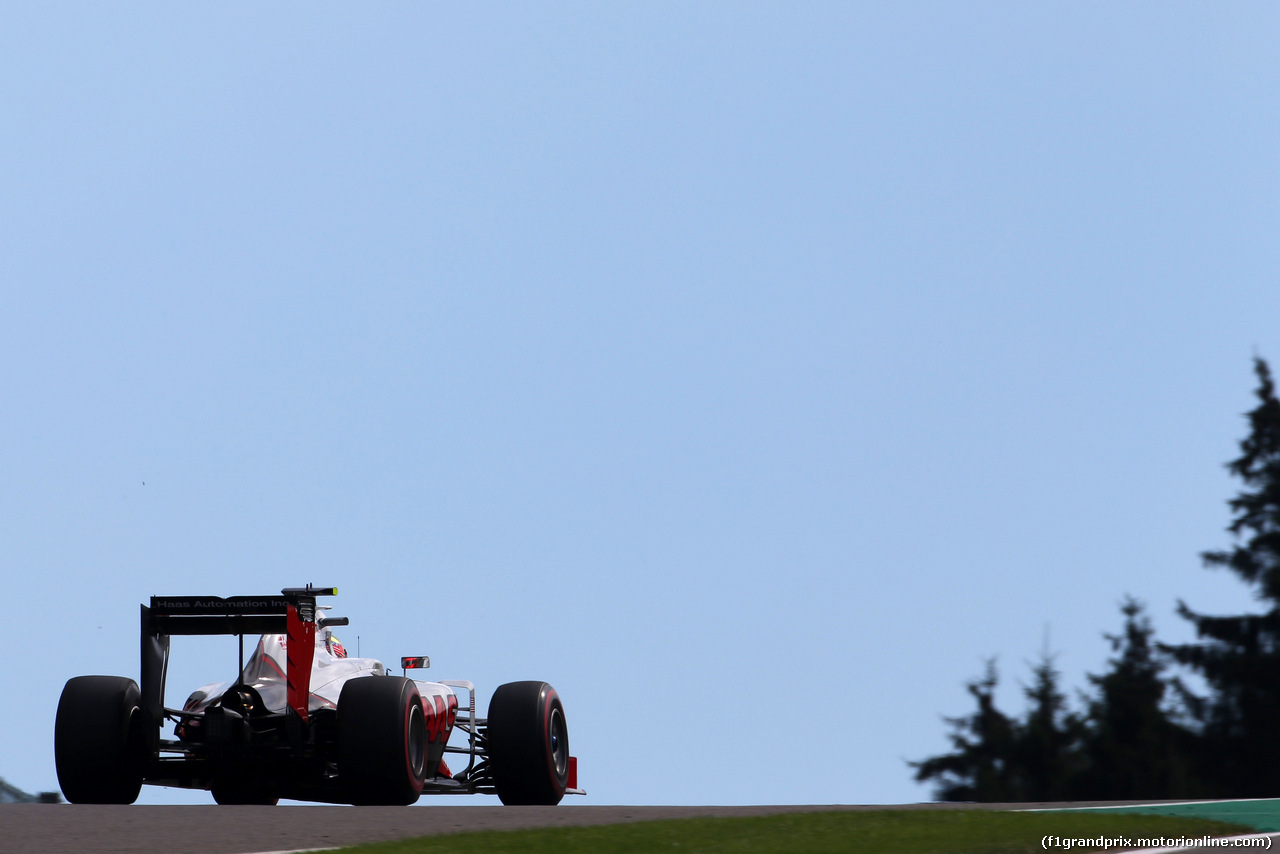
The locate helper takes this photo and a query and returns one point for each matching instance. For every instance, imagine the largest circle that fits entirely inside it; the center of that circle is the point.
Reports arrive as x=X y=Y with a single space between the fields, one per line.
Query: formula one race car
x=302 y=721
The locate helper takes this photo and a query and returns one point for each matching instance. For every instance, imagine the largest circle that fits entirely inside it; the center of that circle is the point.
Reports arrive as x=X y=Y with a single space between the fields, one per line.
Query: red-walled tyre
x=382 y=741
x=528 y=744
x=99 y=740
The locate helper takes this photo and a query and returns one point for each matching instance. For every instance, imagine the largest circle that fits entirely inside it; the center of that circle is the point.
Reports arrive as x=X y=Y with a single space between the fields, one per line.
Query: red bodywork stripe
x=271 y=662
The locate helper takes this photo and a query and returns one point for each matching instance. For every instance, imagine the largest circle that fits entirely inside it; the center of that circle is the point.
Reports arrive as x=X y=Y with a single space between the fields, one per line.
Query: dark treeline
x=1138 y=731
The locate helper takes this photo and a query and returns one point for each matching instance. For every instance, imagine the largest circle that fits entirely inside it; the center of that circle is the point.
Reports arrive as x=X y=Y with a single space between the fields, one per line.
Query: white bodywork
x=331 y=668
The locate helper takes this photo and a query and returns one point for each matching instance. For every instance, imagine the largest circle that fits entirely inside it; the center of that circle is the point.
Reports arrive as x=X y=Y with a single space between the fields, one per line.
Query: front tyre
x=528 y=744
x=99 y=740
x=382 y=741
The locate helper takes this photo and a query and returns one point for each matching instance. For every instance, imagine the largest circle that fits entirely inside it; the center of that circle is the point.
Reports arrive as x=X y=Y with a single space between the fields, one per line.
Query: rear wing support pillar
x=155 y=664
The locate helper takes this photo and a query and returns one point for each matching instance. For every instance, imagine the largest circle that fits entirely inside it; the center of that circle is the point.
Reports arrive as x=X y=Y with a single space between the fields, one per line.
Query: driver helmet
x=334 y=646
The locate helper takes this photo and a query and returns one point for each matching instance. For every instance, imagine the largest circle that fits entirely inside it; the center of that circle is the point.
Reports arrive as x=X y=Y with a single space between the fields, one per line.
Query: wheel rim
x=559 y=744
x=416 y=741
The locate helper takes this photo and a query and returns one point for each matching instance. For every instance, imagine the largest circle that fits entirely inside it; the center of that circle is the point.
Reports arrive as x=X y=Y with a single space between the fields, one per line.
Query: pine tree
x=1134 y=746
x=1048 y=755
x=1127 y=744
x=1239 y=656
x=997 y=758
x=980 y=768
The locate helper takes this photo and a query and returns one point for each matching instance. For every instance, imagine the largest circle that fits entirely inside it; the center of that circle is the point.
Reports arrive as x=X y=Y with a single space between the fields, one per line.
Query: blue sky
x=750 y=372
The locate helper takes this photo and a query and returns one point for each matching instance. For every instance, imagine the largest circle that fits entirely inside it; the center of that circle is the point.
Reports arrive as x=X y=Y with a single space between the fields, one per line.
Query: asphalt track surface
x=73 y=829
x=76 y=829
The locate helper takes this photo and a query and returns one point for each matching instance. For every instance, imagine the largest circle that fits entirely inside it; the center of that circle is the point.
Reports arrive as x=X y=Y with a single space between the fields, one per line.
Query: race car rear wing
x=293 y=613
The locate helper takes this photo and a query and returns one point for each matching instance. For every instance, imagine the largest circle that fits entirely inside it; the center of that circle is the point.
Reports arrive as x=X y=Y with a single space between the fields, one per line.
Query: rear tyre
x=382 y=741
x=99 y=740
x=528 y=743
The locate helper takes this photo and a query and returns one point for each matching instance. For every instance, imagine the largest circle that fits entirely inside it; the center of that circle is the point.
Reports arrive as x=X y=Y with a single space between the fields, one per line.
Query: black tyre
x=99 y=740
x=382 y=741
x=528 y=742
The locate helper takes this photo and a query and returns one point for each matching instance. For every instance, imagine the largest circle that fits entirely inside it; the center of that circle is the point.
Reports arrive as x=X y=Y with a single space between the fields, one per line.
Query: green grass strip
x=921 y=831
